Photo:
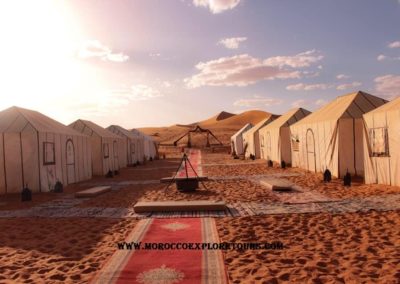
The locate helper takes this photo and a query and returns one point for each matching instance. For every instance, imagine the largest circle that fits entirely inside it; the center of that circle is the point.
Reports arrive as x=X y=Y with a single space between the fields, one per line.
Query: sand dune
x=223 y=125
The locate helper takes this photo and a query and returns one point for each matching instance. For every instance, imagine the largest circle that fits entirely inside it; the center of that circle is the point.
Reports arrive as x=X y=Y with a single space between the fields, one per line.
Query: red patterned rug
x=194 y=157
x=168 y=266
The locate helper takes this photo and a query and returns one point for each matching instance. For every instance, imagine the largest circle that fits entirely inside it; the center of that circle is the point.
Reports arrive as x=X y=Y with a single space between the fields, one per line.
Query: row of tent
x=37 y=151
x=357 y=133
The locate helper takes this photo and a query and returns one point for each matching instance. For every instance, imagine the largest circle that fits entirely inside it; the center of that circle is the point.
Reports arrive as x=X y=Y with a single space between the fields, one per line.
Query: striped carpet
x=167 y=266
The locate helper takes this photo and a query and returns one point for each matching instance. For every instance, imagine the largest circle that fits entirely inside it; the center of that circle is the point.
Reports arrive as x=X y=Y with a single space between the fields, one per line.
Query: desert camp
x=200 y=142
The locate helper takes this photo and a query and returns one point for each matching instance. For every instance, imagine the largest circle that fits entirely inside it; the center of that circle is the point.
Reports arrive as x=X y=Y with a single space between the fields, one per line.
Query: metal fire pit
x=188 y=184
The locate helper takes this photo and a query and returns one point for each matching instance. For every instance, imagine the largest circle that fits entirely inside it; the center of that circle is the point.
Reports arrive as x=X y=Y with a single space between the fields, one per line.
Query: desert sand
x=319 y=247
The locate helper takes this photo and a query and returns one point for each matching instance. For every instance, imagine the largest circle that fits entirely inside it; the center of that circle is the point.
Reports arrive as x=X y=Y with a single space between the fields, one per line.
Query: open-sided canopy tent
x=275 y=137
x=382 y=144
x=108 y=153
x=237 y=140
x=38 y=151
x=251 y=138
x=331 y=137
x=131 y=142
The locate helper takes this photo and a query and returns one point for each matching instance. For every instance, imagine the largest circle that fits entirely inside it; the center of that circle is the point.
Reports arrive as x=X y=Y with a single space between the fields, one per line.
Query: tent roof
x=15 y=119
x=262 y=123
x=137 y=132
x=393 y=105
x=243 y=129
x=100 y=131
x=288 y=118
x=141 y=134
x=123 y=131
x=352 y=105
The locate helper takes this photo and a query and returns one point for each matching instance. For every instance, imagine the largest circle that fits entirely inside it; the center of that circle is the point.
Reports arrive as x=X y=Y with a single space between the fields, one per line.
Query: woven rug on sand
x=168 y=266
x=194 y=157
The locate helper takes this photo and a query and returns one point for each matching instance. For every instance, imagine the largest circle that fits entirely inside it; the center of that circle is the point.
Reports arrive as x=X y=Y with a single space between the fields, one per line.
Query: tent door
x=310 y=145
x=115 y=150
x=70 y=153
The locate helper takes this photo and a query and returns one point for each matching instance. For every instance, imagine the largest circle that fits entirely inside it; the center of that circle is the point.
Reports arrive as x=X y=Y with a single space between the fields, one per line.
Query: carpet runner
x=194 y=157
x=168 y=266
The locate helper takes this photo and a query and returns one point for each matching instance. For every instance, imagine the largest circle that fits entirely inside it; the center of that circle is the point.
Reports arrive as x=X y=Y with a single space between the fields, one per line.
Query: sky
x=141 y=63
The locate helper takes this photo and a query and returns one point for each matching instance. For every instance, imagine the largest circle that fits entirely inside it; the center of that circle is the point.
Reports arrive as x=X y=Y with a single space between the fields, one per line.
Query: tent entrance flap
x=310 y=144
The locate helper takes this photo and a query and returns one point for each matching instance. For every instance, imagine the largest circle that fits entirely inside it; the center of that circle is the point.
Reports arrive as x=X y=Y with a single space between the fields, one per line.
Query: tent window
x=295 y=144
x=379 y=142
x=49 y=157
x=106 y=150
x=133 y=148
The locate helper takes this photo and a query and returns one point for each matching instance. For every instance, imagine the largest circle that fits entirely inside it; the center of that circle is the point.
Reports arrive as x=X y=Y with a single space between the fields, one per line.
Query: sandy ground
x=319 y=248
x=48 y=250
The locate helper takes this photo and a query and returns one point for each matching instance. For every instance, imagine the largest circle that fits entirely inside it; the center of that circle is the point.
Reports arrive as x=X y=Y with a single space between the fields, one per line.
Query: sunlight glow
x=38 y=64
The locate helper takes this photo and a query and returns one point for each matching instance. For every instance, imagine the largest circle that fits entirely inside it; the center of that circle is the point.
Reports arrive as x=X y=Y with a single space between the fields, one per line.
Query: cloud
x=243 y=70
x=307 y=87
x=154 y=55
x=381 y=57
x=388 y=85
x=143 y=92
x=216 y=6
x=298 y=103
x=166 y=84
x=95 y=49
x=321 y=102
x=233 y=42
x=395 y=44
x=304 y=59
x=348 y=86
x=257 y=101
x=307 y=103
x=342 y=76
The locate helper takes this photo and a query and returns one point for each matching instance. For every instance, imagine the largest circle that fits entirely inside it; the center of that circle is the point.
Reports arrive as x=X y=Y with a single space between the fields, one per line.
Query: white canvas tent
x=150 y=147
x=251 y=138
x=108 y=152
x=237 y=140
x=140 y=149
x=381 y=144
x=38 y=151
x=131 y=142
x=275 y=137
x=331 y=137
